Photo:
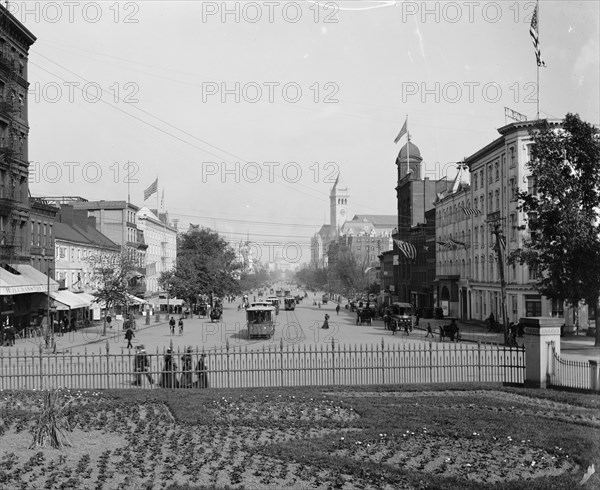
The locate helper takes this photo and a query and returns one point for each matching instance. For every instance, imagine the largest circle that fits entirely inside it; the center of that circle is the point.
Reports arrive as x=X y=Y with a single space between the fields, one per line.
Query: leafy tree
x=563 y=245
x=350 y=272
x=311 y=277
x=115 y=275
x=205 y=266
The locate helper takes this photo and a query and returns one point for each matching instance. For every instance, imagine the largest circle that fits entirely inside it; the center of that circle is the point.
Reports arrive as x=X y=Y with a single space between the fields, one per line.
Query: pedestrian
x=129 y=335
x=186 y=380
x=168 y=377
x=73 y=325
x=202 y=372
x=394 y=326
x=326 y=322
x=406 y=327
x=417 y=319
x=65 y=322
x=172 y=325
x=429 y=330
x=337 y=309
x=181 y=326
x=109 y=321
x=141 y=364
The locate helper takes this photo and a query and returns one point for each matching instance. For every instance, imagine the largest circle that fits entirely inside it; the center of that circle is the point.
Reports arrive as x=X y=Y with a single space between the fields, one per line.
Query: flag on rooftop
x=151 y=190
x=402 y=131
x=534 y=31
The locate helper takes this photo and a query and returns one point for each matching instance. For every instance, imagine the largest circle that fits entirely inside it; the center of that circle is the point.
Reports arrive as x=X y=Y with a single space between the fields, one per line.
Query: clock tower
x=338 y=207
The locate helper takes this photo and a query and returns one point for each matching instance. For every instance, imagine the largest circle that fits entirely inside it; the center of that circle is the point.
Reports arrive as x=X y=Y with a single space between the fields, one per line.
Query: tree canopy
x=205 y=265
x=563 y=244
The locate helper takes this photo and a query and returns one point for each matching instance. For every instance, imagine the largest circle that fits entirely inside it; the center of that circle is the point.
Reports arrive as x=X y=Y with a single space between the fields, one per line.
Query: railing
x=565 y=373
x=322 y=364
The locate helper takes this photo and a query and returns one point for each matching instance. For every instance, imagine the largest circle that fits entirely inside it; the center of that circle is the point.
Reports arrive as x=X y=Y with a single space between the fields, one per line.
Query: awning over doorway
x=136 y=300
x=24 y=279
x=67 y=300
x=170 y=302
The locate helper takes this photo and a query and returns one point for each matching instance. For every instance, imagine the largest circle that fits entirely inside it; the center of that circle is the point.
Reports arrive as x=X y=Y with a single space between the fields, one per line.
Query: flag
x=533 y=30
x=471 y=211
x=151 y=190
x=408 y=249
x=458 y=244
x=402 y=131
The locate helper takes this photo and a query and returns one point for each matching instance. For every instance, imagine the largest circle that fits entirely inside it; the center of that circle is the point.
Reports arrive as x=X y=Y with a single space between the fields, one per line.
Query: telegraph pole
x=500 y=250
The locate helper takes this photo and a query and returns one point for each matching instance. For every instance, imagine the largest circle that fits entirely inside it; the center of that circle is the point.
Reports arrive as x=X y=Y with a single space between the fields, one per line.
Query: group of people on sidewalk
x=171 y=377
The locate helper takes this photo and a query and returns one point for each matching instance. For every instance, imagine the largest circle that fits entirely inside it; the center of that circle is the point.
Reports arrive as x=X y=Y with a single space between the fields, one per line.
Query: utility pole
x=500 y=250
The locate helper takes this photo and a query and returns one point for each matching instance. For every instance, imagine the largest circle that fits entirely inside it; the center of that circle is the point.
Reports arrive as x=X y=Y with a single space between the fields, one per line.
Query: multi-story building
x=469 y=275
x=415 y=198
x=161 y=241
x=23 y=288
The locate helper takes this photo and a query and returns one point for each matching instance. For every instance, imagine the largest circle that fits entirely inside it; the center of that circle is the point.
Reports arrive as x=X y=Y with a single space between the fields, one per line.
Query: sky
x=246 y=111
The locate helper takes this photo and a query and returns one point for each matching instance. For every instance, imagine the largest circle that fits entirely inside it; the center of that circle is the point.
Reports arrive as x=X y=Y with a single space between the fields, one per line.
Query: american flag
x=471 y=211
x=151 y=190
x=402 y=131
x=457 y=244
x=408 y=249
x=533 y=30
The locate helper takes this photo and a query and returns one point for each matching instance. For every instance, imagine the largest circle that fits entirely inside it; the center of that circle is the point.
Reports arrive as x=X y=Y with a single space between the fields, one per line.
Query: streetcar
x=290 y=303
x=260 y=321
x=279 y=293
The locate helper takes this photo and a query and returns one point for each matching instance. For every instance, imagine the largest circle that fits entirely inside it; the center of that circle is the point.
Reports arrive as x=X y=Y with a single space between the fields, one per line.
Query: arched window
x=476 y=271
x=497 y=195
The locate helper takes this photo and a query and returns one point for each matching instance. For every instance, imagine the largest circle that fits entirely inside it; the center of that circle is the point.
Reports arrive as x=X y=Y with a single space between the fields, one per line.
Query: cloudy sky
x=246 y=111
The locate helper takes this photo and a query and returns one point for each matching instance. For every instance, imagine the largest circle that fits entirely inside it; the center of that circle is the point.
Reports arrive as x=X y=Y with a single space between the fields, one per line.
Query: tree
x=350 y=271
x=205 y=266
x=563 y=245
x=113 y=273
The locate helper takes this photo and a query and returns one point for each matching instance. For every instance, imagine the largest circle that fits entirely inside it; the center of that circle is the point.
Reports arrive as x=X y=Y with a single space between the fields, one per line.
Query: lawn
x=369 y=437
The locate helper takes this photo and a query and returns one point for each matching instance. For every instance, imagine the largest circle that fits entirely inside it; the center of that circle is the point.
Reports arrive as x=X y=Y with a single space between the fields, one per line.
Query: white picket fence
x=567 y=373
x=322 y=364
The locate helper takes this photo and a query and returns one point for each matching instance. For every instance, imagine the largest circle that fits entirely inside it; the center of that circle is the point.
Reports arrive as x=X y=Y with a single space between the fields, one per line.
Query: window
x=481 y=178
x=497 y=171
x=490 y=202
x=46 y=241
x=32 y=234
x=39 y=234
x=475 y=236
x=497 y=194
x=475 y=183
x=513 y=228
x=513 y=159
x=512 y=189
x=532 y=185
x=533 y=306
x=532 y=273
x=490 y=174
x=557 y=308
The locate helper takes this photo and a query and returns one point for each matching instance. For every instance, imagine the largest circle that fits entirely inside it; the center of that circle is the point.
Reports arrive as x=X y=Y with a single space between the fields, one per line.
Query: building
x=415 y=197
x=338 y=215
x=23 y=288
x=117 y=221
x=469 y=275
x=160 y=239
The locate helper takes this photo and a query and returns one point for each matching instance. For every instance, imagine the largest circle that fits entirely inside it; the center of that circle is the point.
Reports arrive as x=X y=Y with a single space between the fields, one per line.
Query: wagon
x=451 y=330
x=216 y=314
x=364 y=316
x=203 y=309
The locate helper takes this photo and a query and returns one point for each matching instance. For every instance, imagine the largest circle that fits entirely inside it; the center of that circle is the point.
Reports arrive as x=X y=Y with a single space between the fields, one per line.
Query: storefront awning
x=136 y=300
x=24 y=279
x=95 y=303
x=67 y=300
x=170 y=301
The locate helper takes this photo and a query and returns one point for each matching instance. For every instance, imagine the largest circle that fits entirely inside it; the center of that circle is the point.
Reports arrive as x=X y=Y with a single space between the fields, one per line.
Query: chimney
x=66 y=214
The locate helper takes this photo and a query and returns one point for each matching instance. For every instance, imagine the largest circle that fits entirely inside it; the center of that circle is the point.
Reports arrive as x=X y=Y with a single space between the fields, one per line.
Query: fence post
x=382 y=361
x=540 y=332
x=227 y=357
x=281 y=362
x=41 y=368
x=333 y=361
x=594 y=376
x=107 y=364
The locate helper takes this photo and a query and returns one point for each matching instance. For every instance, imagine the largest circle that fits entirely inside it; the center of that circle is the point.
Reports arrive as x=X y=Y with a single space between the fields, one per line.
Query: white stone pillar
x=540 y=333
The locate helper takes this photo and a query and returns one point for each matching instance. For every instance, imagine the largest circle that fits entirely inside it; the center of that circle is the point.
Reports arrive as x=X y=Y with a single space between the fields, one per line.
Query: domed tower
x=338 y=206
x=409 y=162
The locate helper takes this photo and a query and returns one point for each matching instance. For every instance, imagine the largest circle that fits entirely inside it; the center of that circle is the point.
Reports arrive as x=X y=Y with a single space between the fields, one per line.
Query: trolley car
x=260 y=321
x=290 y=303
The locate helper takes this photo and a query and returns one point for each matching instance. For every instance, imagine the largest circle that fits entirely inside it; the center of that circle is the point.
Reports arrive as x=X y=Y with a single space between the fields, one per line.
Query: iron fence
x=273 y=366
x=566 y=373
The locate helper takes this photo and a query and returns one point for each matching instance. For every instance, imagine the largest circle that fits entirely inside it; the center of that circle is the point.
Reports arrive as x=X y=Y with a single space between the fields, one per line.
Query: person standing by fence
x=172 y=325
x=202 y=372
x=168 y=377
x=141 y=364
x=181 y=327
x=186 y=380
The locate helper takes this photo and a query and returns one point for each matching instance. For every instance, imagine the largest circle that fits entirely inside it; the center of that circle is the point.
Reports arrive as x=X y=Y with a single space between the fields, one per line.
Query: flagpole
x=538 y=62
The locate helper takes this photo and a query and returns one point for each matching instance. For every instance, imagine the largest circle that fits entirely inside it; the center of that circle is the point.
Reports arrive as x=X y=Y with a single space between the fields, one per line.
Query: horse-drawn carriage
x=259 y=321
x=364 y=316
x=451 y=330
x=324 y=299
x=399 y=317
x=216 y=313
x=203 y=309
